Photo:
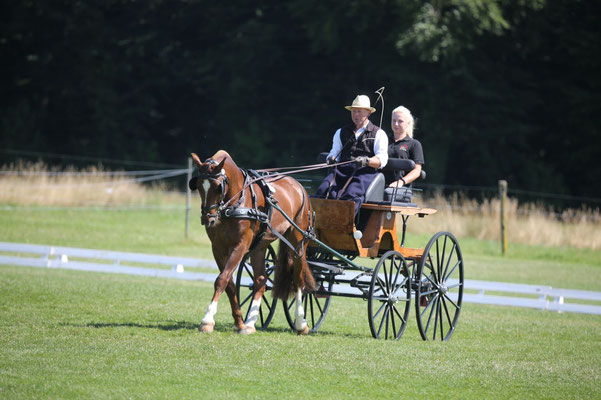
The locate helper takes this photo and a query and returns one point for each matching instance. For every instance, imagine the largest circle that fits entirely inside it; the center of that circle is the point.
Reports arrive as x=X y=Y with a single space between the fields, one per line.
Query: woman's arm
x=410 y=177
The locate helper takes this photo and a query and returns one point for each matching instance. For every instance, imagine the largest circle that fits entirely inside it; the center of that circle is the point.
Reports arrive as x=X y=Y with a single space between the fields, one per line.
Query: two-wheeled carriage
x=433 y=276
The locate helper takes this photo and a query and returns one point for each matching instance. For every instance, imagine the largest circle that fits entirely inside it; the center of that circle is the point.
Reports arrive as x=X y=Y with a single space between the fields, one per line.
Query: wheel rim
x=389 y=299
x=439 y=287
x=315 y=306
x=245 y=289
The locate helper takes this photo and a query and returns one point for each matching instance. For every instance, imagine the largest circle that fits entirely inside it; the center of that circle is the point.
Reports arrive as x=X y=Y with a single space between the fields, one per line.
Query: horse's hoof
x=207 y=327
x=304 y=331
x=247 y=330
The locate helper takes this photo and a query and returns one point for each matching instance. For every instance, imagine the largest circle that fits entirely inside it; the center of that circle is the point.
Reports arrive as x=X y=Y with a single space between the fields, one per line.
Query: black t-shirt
x=406 y=148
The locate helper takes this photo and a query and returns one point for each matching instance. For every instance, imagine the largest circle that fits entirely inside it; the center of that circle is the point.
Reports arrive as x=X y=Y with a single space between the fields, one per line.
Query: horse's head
x=211 y=183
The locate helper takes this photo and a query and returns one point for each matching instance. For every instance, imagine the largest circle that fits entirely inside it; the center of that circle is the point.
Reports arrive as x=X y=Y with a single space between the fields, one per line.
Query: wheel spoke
x=310 y=301
x=436 y=313
x=384 y=318
x=451 y=301
x=247 y=298
x=261 y=315
x=396 y=278
x=318 y=305
x=457 y=264
x=444 y=274
x=442 y=258
x=382 y=286
x=446 y=310
x=386 y=281
x=430 y=305
x=437 y=265
x=379 y=310
x=265 y=301
x=430 y=266
x=399 y=315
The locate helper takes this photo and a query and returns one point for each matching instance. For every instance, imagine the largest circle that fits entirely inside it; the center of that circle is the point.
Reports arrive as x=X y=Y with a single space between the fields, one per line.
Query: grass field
x=66 y=334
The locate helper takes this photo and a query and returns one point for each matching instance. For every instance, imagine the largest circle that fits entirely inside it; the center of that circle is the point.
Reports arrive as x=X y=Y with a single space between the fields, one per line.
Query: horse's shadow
x=162 y=325
x=190 y=326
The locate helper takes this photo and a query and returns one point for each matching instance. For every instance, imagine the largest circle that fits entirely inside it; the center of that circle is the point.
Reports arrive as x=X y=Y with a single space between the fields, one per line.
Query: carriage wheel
x=439 y=287
x=245 y=289
x=315 y=304
x=389 y=299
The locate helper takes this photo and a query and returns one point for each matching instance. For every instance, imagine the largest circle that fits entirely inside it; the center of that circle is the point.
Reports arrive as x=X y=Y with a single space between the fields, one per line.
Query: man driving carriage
x=361 y=142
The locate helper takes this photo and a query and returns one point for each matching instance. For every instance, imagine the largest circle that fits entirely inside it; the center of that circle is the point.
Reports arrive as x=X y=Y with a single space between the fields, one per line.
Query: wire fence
x=552 y=204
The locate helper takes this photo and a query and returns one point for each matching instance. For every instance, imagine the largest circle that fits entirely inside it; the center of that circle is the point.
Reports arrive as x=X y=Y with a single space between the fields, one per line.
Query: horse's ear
x=196 y=160
x=192 y=183
x=220 y=166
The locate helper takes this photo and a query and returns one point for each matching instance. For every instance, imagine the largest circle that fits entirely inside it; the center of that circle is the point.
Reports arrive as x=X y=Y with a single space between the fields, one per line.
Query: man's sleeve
x=336 y=146
x=381 y=147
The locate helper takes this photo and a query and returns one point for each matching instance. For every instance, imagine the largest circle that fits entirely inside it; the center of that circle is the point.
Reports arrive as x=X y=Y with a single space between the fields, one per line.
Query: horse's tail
x=292 y=271
x=285 y=284
x=283 y=274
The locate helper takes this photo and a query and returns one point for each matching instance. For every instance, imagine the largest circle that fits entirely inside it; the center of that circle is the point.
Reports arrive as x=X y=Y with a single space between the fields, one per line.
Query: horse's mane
x=221 y=155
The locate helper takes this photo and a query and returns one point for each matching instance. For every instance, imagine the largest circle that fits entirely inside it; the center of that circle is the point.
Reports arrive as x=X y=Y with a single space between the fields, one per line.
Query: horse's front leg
x=257 y=260
x=225 y=282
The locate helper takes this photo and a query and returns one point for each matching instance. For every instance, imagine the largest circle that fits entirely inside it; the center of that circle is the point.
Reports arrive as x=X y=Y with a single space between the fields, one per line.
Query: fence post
x=188 y=194
x=503 y=202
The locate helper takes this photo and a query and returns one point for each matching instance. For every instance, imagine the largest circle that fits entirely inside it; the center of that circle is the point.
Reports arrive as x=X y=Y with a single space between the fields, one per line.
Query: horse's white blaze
x=299 y=313
x=211 y=311
x=205 y=189
x=206 y=185
x=253 y=315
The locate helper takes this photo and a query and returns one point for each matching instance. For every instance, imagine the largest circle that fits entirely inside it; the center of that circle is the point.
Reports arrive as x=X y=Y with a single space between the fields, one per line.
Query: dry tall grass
x=525 y=223
x=36 y=184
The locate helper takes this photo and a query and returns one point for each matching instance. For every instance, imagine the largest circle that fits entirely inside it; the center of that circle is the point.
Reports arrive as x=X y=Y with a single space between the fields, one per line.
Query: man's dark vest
x=352 y=147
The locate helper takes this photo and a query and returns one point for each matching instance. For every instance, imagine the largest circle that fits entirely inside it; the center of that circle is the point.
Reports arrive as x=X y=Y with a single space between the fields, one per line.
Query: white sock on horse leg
x=211 y=311
x=299 y=312
x=253 y=314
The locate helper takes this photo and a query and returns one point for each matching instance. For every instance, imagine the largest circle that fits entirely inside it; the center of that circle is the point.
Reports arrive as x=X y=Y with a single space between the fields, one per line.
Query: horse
x=236 y=212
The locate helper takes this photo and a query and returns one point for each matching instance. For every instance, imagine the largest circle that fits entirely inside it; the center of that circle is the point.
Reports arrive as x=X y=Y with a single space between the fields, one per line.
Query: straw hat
x=361 y=101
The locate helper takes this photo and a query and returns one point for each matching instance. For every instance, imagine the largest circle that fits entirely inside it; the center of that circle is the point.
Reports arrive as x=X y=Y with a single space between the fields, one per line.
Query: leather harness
x=223 y=210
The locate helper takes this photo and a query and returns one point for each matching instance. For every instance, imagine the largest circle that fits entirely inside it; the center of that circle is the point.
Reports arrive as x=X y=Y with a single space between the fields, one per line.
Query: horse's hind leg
x=303 y=280
x=257 y=260
x=300 y=323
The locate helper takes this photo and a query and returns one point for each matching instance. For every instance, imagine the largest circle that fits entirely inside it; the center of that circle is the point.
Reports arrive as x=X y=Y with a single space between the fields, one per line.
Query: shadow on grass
x=219 y=327
x=163 y=326
x=321 y=332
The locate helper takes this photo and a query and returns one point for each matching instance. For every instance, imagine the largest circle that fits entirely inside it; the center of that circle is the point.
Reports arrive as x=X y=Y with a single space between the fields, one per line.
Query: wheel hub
x=443 y=289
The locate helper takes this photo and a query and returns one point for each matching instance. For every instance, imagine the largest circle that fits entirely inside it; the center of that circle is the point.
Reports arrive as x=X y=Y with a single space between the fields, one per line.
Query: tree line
x=502 y=89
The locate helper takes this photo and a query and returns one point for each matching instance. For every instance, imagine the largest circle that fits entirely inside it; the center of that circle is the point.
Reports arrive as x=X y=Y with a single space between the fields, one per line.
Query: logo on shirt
x=404 y=148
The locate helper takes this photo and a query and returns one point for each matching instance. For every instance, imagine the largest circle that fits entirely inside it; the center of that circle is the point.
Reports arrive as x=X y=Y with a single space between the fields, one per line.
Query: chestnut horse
x=230 y=203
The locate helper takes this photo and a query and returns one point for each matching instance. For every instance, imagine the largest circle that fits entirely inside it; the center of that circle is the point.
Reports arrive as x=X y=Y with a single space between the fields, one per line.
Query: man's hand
x=331 y=160
x=361 y=161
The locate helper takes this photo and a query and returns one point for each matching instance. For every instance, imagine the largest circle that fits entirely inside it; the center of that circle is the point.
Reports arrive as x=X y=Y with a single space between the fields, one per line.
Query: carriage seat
x=392 y=196
x=378 y=193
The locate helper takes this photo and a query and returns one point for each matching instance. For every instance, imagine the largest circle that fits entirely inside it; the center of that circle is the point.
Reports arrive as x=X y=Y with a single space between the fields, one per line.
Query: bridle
x=222 y=179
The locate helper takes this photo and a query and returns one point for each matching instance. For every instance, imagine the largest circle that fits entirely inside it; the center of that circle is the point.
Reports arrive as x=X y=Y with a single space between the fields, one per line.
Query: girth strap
x=265 y=219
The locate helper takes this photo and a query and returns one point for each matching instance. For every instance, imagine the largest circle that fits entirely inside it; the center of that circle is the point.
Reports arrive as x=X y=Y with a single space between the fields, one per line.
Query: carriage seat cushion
x=398 y=195
x=375 y=191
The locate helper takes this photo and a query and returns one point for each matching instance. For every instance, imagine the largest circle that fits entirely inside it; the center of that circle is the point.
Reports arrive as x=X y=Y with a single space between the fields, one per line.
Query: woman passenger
x=404 y=146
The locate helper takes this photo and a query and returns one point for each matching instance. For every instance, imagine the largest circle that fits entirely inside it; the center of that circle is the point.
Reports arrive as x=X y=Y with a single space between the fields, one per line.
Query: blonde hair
x=405 y=111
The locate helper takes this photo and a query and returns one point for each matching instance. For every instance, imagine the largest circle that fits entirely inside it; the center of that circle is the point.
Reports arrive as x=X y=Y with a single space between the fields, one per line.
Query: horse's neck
x=236 y=178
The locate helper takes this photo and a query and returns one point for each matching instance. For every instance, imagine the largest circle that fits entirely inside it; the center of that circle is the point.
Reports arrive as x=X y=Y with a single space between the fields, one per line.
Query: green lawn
x=69 y=334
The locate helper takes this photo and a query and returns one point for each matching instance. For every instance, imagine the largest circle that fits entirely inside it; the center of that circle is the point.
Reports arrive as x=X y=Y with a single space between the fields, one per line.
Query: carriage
x=341 y=246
